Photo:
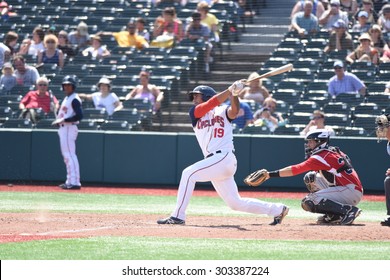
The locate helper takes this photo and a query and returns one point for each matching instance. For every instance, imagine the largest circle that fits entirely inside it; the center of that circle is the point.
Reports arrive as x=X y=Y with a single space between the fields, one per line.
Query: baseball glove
x=257 y=178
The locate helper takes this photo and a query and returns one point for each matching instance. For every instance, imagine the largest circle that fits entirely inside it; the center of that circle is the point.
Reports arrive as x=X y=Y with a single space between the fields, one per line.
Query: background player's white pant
x=220 y=169
x=68 y=135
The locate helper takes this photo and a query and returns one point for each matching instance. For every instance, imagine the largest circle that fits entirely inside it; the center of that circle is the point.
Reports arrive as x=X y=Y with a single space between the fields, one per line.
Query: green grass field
x=152 y=248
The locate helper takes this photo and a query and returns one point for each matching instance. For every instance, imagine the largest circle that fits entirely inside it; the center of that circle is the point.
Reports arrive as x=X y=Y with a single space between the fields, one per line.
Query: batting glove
x=236 y=87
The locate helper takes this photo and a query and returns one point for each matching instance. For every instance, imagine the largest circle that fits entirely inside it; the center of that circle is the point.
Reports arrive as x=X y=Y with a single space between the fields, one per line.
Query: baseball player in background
x=68 y=117
x=334 y=186
x=212 y=124
x=382 y=131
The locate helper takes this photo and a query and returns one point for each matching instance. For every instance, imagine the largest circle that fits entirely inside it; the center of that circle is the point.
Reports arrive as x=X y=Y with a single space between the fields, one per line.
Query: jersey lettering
x=207 y=123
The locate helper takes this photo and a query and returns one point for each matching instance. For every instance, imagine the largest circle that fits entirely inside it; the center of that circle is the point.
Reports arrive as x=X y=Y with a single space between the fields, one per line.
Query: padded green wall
x=159 y=158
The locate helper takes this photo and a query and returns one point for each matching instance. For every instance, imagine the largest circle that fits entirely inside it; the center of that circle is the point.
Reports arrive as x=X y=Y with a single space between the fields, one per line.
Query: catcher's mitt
x=257 y=178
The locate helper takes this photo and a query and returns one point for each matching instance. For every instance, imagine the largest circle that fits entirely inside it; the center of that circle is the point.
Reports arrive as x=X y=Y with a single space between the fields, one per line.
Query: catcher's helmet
x=321 y=137
x=206 y=91
x=70 y=80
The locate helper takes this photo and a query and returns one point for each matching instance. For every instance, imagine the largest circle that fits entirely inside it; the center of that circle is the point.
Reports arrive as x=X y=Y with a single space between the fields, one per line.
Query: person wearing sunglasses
x=317 y=121
x=364 y=52
x=39 y=99
x=344 y=82
x=51 y=54
x=332 y=15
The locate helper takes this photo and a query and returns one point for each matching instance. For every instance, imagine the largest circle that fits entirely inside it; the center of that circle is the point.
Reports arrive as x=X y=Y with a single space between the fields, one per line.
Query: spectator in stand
x=331 y=16
x=265 y=118
x=80 y=38
x=317 y=10
x=104 y=98
x=26 y=75
x=384 y=18
x=364 y=52
x=34 y=46
x=146 y=90
x=40 y=98
x=209 y=19
x=11 y=40
x=5 y=54
x=64 y=45
x=344 y=82
x=368 y=7
x=198 y=31
x=167 y=39
x=128 y=38
x=168 y=17
x=305 y=23
x=377 y=39
x=244 y=116
x=6 y=11
x=387 y=87
x=349 y=6
x=254 y=90
x=317 y=122
x=141 y=30
x=339 y=39
x=96 y=50
x=272 y=115
x=51 y=54
x=362 y=25
x=7 y=79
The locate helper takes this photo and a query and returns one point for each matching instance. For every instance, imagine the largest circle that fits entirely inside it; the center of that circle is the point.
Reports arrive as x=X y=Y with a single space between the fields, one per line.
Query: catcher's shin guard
x=326 y=206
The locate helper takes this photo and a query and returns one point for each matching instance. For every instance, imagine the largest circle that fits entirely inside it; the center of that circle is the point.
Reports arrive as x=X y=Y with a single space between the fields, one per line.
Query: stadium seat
x=96 y=115
x=365 y=121
x=115 y=125
x=366 y=108
x=352 y=99
x=305 y=106
x=354 y=131
x=17 y=123
x=380 y=98
x=339 y=120
x=289 y=130
x=46 y=124
x=88 y=125
x=336 y=108
x=299 y=118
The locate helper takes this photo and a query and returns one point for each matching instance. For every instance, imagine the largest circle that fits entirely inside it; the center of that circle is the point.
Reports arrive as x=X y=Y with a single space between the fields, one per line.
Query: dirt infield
x=19 y=227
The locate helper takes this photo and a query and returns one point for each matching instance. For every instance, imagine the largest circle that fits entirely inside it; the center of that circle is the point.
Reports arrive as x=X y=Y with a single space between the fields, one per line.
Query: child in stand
x=7 y=79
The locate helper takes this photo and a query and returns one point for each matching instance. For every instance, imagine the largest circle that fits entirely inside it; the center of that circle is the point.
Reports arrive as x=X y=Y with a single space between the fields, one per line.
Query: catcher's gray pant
x=341 y=194
x=387 y=193
x=219 y=169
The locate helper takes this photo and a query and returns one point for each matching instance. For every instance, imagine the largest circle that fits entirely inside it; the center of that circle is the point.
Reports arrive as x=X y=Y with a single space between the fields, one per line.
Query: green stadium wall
x=146 y=158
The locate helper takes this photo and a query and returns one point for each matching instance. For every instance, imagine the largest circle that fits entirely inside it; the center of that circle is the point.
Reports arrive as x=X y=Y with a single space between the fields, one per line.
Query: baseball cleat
x=69 y=187
x=351 y=215
x=279 y=219
x=386 y=223
x=329 y=219
x=171 y=221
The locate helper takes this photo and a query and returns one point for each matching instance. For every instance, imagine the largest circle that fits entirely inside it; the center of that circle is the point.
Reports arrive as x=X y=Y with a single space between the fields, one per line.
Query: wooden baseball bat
x=277 y=71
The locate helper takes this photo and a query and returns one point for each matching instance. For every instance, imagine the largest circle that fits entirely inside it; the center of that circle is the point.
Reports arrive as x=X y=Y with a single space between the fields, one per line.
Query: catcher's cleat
x=351 y=215
x=386 y=223
x=171 y=221
x=69 y=187
x=329 y=219
x=279 y=219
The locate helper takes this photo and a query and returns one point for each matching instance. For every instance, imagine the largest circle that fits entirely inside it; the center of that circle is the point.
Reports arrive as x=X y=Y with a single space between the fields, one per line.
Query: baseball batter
x=212 y=124
x=68 y=117
x=382 y=131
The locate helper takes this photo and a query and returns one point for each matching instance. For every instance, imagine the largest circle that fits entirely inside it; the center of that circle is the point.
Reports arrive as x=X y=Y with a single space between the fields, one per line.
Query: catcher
x=334 y=186
x=382 y=131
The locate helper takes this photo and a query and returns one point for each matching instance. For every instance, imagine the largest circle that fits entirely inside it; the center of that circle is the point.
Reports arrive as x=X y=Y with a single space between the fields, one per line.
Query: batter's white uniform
x=68 y=132
x=214 y=133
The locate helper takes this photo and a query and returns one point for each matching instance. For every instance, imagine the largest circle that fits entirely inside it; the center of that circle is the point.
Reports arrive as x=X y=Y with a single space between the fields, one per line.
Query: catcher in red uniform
x=334 y=186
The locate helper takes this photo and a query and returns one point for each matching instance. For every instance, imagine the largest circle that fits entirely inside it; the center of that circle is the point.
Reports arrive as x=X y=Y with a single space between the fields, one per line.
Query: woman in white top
x=96 y=49
x=255 y=90
x=104 y=98
x=34 y=46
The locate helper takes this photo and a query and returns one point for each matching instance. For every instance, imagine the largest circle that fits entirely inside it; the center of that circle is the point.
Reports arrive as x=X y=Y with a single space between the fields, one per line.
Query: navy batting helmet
x=206 y=91
x=70 y=80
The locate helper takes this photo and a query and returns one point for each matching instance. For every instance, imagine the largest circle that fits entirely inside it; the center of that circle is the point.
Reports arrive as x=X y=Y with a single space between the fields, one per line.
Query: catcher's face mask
x=382 y=125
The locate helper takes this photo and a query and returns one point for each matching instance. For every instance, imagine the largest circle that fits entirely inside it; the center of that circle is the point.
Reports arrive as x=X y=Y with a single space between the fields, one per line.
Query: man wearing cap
x=339 y=39
x=80 y=37
x=330 y=16
x=362 y=25
x=104 y=98
x=344 y=82
x=305 y=23
x=364 y=52
x=129 y=37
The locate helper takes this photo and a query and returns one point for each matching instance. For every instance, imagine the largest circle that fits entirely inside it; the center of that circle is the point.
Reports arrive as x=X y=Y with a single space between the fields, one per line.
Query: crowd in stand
x=24 y=58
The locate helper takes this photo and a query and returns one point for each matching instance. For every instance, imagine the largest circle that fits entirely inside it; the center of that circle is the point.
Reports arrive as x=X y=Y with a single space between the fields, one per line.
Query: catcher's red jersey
x=330 y=161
